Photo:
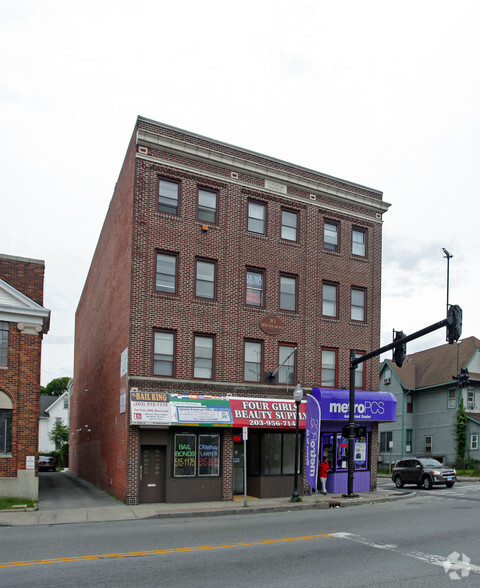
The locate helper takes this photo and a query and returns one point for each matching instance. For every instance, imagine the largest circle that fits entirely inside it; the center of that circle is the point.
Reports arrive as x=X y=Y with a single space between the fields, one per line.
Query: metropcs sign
x=369 y=406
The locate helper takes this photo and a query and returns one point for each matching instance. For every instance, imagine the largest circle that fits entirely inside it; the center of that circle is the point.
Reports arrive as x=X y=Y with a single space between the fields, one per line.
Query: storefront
x=192 y=447
x=370 y=409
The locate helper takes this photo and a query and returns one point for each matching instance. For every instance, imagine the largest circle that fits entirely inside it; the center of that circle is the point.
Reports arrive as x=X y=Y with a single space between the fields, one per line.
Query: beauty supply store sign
x=266 y=413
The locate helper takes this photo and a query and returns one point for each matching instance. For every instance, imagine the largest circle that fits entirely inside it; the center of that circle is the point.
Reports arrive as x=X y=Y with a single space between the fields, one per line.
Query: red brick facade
x=20 y=377
x=120 y=307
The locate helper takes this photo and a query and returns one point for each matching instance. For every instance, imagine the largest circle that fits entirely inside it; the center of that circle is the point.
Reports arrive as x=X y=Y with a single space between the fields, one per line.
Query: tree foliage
x=460 y=428
x=56 y=387
x=59 y=434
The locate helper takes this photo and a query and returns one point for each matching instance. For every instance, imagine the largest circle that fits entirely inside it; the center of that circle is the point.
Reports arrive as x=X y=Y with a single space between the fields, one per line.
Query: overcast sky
x=384 y=94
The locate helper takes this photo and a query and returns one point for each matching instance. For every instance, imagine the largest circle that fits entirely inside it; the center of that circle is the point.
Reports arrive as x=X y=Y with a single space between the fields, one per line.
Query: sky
x=383 y=94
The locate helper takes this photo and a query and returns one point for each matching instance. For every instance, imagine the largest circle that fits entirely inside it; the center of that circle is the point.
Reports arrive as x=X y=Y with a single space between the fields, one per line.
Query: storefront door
x=152 y=474
x=238 y=468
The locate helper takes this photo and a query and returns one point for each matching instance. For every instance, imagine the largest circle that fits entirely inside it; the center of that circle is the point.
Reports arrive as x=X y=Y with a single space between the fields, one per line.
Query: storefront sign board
x=266 y=413
x=369 y=406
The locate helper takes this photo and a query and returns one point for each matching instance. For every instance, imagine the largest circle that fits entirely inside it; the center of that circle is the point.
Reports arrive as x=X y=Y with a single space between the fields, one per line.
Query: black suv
x=424 y=472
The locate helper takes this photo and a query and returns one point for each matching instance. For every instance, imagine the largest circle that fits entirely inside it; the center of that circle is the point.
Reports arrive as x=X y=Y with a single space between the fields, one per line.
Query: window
x=470 y=399
x=452 y=398
x=387 y=376
x=409 y=401
x=166 y=273
x=359 y=374
x=254 y=295
x=163 y=353
x=288 y=293
x=359 y=242
x=330 y=236
x=65 y=403
x=5 y=430
x=428 y=444
x=168 y=193
x=257 y=212
x=205 y=279
x=289 y=225
x=329 y=299
x=358 y=305
x=329 y=368
x=408 y=440
x=385 y=439
x=203 y=357
x=286 y=361
x=207 y=206
x=253 y=361
x=474 y=442
x=272 y=453
x=196 y=454
x=4 y=326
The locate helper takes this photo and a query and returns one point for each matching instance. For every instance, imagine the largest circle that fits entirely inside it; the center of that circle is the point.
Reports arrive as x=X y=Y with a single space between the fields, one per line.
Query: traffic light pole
x=354 y=362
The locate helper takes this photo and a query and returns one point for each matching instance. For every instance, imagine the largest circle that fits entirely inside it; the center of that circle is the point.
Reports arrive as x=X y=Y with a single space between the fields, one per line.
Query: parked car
x=46 y=463
x=424 y=472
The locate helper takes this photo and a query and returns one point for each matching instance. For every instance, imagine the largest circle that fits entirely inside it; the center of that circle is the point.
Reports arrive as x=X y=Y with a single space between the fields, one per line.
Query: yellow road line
x=158 y=551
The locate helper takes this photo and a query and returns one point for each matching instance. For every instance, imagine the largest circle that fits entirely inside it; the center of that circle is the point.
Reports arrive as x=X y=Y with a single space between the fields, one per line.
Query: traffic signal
x=399 y=351
x=360 y=431
x=346 y=432
x=454 y=323
x=464 y=378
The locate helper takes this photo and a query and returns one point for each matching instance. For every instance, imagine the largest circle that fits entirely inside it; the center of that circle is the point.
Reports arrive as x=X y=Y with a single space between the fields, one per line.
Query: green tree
x=56 y=387
x=460 y=428
x=59 y=434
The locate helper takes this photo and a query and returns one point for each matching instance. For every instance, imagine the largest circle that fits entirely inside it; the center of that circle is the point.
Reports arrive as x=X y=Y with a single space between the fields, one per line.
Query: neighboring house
x=427 y=401
x=23 y=322
x=52 y=409
x=216 y=266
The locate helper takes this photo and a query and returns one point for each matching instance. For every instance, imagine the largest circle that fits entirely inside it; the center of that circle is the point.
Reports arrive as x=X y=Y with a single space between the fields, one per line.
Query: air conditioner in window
x=386 y=380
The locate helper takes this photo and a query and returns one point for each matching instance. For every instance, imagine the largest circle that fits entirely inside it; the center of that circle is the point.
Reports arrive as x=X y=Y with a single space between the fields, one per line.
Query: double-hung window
x=166 y=273
x=205 y=279
x=330 y=236
x=286 y=361
x=359 y=242
x=474 y=441
x=329 y=368
x=288 y=293
x=385 y=439
x=207 y=206
x=164 y=353
x=289 y=225
x=254 y=288
x=168 y=196
x=257 y=213
x=358 y=305
x=203 y=357
x=329 y=299
x=4 y=326
x=253 y=361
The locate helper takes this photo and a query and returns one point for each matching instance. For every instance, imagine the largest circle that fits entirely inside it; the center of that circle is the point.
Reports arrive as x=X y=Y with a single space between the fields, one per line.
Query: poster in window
x=184 y=460
x=209 y=455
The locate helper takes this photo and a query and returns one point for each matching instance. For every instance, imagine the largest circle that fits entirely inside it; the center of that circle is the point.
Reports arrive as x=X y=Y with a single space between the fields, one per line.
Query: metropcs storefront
x=192 y=446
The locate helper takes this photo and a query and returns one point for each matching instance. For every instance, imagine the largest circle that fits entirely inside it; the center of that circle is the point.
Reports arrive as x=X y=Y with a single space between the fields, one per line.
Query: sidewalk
x=123 y=512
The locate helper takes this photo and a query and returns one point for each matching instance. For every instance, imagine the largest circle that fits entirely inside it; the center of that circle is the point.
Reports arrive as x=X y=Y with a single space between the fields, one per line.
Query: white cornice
x=238 y=164
x=225 y=180
x=16 y=307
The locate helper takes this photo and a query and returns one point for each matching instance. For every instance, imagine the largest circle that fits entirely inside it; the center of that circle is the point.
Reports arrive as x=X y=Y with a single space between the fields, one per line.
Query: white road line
x=436 y=560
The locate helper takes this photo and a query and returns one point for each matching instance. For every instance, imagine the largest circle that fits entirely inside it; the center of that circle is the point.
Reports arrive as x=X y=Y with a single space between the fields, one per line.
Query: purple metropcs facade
x=370 y=407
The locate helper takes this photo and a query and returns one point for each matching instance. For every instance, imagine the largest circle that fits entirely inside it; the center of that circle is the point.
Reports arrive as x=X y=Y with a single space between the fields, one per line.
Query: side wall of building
x=98 y=428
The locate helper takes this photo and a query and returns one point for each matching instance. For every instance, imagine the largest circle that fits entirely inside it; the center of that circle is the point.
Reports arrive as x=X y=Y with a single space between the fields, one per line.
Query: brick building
x=23 y=321
x=216 y=266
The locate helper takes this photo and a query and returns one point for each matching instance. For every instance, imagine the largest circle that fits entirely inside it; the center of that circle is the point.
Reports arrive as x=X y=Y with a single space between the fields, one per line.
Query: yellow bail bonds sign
x=150 y=408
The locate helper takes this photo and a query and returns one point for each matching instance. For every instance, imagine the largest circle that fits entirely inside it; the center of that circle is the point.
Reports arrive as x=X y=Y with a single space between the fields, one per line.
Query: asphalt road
x=421 y=541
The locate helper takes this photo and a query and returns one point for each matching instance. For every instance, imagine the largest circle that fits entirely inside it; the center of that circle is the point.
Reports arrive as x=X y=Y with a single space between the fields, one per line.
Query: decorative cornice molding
x=236 y=163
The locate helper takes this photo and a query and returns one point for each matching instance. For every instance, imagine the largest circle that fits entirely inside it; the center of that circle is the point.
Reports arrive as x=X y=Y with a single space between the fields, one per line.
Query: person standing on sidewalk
x=322 y=474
